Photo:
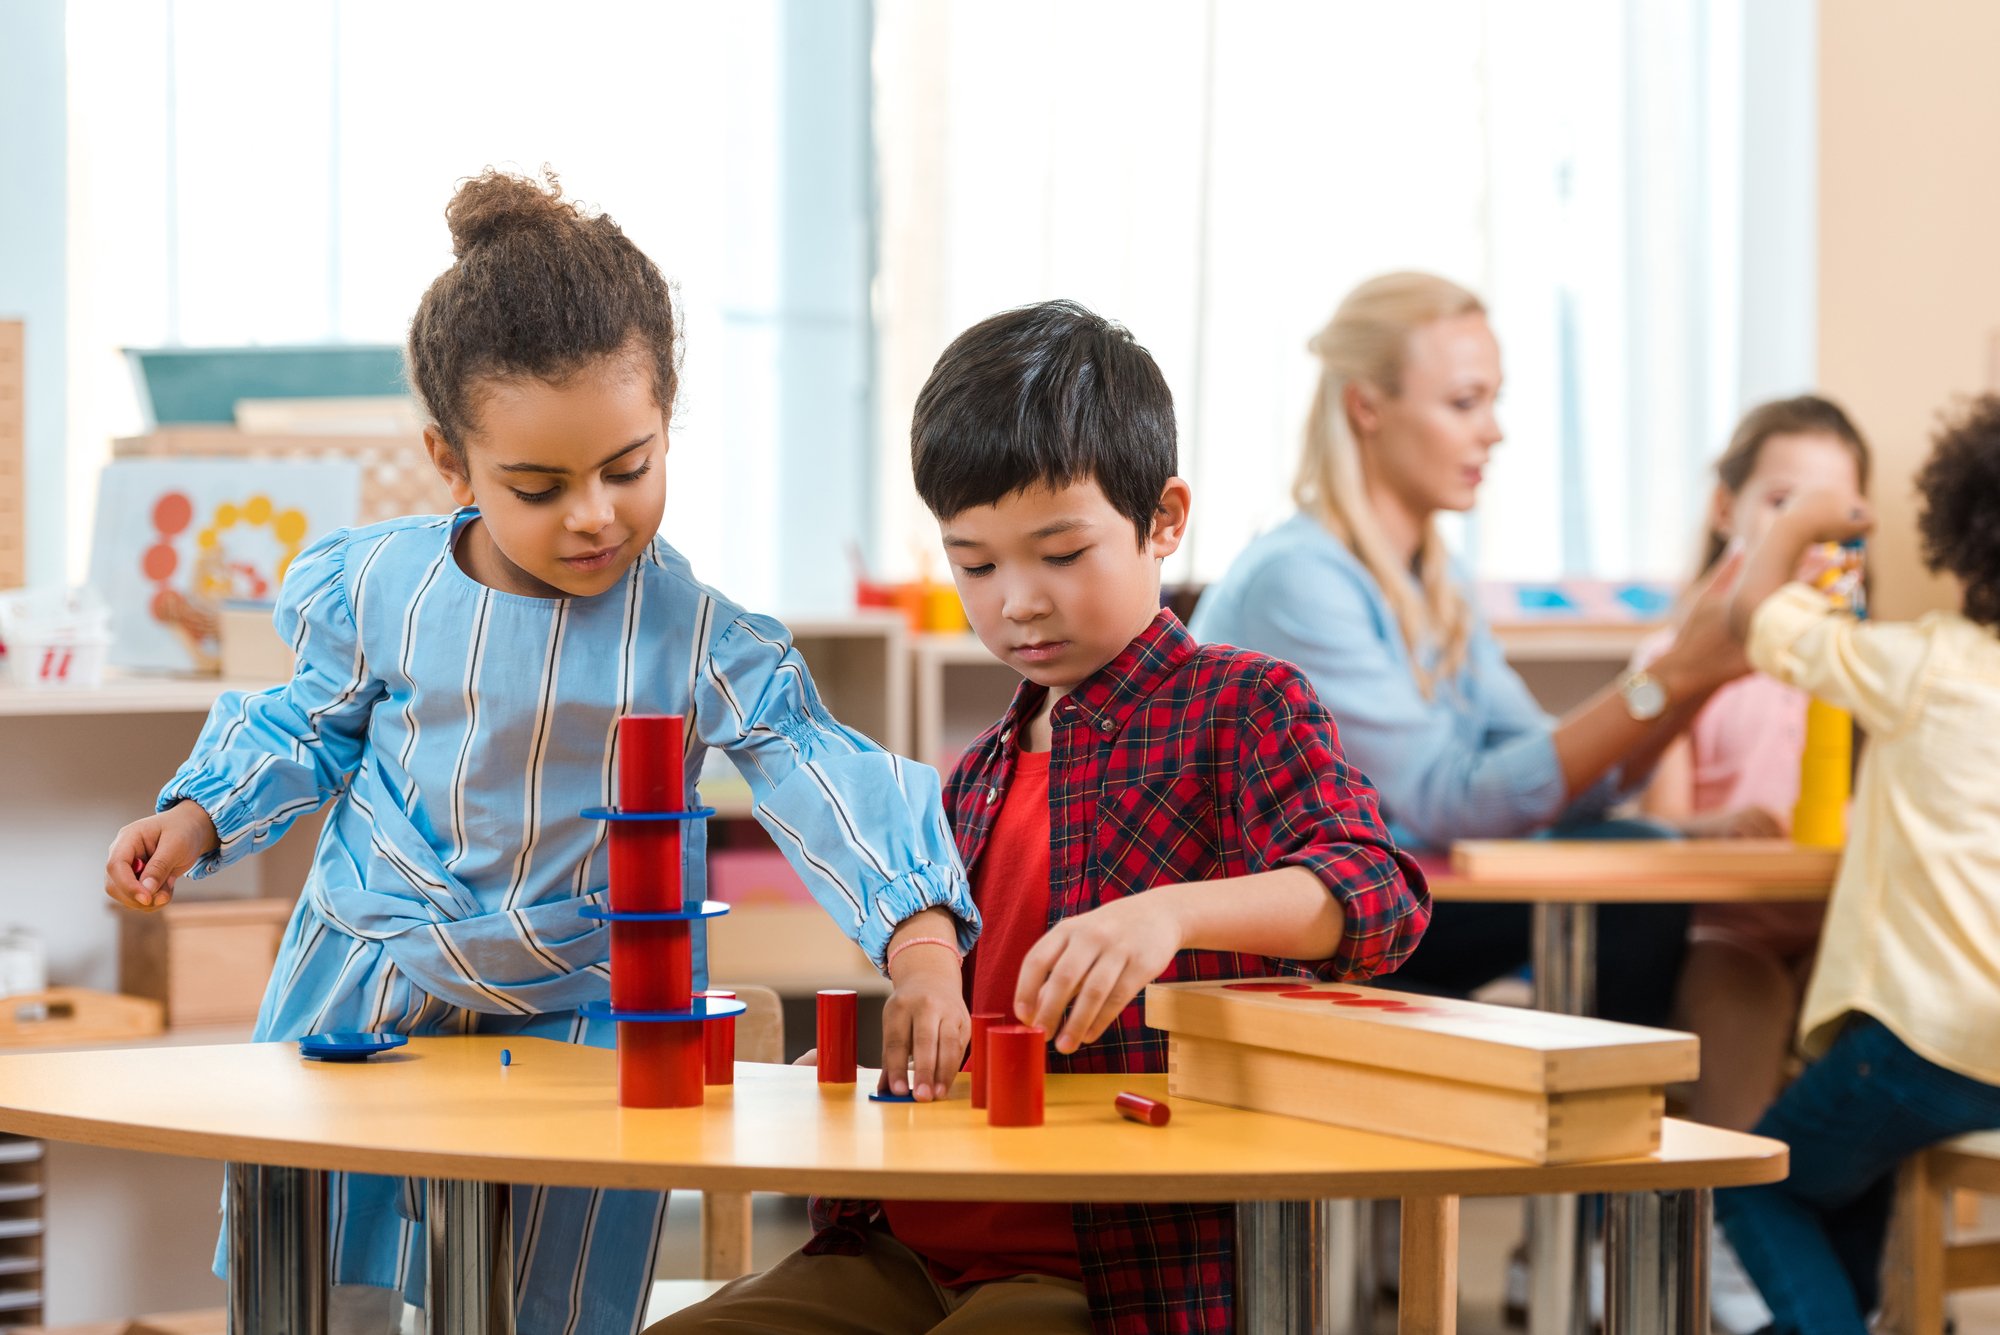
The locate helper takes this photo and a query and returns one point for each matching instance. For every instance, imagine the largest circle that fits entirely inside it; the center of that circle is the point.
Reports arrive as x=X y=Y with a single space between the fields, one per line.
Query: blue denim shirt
x=1477 y=760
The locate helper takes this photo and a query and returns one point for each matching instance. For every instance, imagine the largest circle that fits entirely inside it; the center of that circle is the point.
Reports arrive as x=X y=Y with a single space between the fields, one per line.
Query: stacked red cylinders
x=981 y=1023
x=837 y=1020
x=652 y=963
x=1015 y=1068
x=718 y=1044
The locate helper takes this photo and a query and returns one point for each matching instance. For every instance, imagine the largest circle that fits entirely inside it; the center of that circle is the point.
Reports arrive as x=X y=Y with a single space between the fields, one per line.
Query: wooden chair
x=1923 y=1265
x=725 y=1215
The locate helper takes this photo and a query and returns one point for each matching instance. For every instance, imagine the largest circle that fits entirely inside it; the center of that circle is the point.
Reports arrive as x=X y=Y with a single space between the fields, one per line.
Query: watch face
x=1645 y=698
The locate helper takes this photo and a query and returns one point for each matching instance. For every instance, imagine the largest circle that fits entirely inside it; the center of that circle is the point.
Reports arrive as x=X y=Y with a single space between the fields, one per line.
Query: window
x=1217 y=175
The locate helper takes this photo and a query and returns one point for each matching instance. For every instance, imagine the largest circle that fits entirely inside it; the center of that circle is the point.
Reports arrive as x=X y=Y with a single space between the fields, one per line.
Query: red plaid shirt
x=1177 y=763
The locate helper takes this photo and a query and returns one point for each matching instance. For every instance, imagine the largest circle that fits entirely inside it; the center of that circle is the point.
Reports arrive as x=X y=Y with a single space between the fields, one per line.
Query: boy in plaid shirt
x=1147 y=809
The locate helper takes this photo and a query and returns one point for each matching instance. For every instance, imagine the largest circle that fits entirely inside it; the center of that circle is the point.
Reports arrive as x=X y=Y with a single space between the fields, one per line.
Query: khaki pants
x=887 y=1290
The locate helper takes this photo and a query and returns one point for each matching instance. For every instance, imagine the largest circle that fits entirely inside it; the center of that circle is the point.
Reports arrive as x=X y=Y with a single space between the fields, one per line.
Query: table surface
x=1589 y=871
x=445 y=1107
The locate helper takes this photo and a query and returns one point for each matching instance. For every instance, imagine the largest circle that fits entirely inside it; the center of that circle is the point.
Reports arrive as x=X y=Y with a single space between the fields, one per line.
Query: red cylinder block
x=1138 y=1108
x=1015 y=1066
x=837 y=1018
x=646 y=855
x=718 y=1045
x=981 y=1023
x=660 y=1065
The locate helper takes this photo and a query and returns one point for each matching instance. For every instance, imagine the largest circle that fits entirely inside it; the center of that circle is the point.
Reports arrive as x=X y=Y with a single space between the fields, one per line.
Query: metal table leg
x=277 y=1250
x=1565 y=965
x=1656 y=1263
x=1301 y=1267
x=469 y=1280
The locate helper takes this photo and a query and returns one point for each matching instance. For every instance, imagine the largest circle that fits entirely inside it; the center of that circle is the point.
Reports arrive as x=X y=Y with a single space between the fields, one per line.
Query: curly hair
x=540 y=289
x=1960 y=491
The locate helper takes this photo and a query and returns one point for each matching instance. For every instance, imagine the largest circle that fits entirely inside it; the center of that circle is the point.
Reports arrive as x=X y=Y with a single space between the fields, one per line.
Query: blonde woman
x=1358 y=590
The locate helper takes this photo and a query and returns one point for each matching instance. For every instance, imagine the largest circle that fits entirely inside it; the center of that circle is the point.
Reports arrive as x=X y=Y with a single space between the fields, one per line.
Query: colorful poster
x=176 y=538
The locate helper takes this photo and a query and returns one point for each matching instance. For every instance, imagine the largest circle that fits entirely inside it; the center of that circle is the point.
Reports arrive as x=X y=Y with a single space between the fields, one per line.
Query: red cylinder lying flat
x=1015 y=1066
x=718 y=1045
x=837 y=1018
x=1138 y=1108
x=982 y=1022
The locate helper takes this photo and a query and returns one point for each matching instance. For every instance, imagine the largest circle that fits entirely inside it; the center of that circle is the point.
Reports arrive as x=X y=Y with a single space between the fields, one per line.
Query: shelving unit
x=21 y=1230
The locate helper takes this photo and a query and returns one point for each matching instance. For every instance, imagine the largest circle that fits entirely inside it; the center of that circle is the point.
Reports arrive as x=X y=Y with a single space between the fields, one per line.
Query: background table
x=446 y=1110
x=1565 y=881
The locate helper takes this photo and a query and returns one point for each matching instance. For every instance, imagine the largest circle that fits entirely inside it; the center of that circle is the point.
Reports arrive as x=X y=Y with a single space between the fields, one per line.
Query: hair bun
x=495 y=204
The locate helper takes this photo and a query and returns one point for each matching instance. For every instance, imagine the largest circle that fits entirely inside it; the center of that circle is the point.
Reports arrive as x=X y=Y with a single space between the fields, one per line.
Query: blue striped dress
x=458 y=731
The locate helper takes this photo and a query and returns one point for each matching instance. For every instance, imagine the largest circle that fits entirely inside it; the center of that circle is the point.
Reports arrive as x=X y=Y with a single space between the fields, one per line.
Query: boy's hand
x=925 y=1024
x=1094 y=964
x=1825 y=515
x=149 y=855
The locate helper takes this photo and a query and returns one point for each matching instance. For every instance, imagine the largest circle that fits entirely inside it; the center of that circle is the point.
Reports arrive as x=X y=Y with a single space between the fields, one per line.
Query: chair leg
x=725 y=1234
x=1427 y=1297
x=1913 y=1276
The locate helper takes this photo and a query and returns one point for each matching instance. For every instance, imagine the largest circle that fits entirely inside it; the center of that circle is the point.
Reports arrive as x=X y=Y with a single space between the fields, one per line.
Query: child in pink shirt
x=1736 y=774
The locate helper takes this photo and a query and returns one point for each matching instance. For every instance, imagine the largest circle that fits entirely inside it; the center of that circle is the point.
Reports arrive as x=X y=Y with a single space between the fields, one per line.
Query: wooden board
x=1770 y=861
x=445 y=1107
x=1540 y=1128
x=1464 y=1041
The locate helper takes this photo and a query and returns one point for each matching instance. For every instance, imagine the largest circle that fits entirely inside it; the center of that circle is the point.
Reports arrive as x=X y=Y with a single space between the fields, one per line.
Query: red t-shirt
x=971 y=1242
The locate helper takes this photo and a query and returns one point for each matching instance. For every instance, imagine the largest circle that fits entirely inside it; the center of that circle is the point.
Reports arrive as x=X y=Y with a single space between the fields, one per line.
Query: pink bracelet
x=890 y=963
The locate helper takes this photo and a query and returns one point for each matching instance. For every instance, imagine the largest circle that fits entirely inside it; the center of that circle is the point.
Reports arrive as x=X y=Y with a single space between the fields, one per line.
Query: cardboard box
x=206 y=962
x=251 y=649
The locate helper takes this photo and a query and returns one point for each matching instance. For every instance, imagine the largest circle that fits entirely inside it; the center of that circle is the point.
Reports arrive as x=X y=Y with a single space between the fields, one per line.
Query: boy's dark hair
x=540 y=290
x=1044 y=395
x=1960 y=520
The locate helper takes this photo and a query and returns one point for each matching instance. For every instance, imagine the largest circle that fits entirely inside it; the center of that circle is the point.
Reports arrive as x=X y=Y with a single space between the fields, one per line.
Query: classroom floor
x=1488 y=1230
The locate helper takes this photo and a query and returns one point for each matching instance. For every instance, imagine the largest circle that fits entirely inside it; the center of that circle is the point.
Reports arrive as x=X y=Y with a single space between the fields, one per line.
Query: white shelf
x=1572 y=643
x=122 y=693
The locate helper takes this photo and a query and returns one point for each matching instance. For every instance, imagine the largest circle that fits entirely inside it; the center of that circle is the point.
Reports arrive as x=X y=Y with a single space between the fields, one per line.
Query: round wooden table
x=1565 y=881
x=446 y=1110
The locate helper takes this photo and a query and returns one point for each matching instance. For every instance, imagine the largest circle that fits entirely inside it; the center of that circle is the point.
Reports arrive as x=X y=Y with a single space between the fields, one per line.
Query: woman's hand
x=1706 y=652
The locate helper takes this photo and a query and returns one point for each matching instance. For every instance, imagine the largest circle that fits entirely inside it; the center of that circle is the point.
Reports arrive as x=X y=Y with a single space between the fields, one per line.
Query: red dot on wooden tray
x=1380 y=1003
x=1320 y=996
x=1261 y=987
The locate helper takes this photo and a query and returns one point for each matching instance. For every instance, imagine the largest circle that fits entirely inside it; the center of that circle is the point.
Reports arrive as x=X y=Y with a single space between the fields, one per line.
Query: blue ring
x=710 y=908
x=615 y=814
x=706 y=1008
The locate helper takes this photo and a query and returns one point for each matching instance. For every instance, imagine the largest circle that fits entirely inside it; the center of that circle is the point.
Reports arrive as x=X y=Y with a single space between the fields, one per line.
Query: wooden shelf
x=1572 y=641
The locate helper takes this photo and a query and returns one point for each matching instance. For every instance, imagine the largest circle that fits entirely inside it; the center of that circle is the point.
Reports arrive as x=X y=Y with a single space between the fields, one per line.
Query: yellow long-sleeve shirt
x=1913 y=930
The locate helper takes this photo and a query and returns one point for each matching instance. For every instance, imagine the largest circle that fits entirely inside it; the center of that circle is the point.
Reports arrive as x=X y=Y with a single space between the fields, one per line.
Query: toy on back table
x=661 y=1022
x=1826 y=763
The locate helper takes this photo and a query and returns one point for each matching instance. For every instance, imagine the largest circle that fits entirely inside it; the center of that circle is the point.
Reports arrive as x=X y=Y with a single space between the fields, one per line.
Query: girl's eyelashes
x=1066 y=560
x=549 y=493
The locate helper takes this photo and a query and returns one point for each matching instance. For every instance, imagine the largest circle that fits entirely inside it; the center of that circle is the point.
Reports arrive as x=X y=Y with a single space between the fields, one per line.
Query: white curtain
x=246 y=172
x=1217 y=174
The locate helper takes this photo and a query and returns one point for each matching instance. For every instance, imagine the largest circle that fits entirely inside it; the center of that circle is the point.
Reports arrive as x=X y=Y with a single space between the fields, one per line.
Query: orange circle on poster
x=162 y=604
x=159 y=561
x=172 y=513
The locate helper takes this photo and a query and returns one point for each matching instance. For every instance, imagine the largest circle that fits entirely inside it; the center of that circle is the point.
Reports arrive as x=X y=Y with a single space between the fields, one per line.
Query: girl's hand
x=1742 y=823
x=1093 y=965
x=925 y=1025
x=149 y=855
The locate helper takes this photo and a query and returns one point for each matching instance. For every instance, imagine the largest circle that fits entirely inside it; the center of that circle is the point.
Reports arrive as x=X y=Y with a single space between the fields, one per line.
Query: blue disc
x=704 y=1008
x=708 y=908
x=348 y=1047
x=892 y=1098
x=614 y=814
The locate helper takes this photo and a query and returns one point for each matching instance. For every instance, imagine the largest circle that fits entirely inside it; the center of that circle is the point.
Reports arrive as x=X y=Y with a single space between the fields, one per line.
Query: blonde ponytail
x=1366 y=342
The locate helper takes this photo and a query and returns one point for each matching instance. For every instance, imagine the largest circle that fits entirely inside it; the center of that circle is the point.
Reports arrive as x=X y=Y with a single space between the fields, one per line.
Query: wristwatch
x=1645 y=698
